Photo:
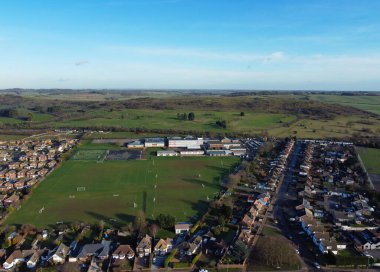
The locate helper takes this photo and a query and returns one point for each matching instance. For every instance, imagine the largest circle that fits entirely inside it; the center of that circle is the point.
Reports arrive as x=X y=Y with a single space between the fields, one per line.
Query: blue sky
x=212 y=44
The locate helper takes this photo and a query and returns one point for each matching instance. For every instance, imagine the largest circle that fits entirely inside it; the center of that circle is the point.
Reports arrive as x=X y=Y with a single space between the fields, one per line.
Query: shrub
x=170 y=257
x=196 y=258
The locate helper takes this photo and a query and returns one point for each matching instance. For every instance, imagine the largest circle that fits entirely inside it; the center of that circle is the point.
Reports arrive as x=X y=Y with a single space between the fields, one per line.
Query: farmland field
x=115 y=190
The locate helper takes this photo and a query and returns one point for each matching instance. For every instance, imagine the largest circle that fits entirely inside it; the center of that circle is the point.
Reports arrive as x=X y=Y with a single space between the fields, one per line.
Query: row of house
x=25 y=162
x=323 y=177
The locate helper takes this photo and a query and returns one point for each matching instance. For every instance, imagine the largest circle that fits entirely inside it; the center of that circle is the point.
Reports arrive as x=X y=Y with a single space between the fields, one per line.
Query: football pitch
x=86 y=191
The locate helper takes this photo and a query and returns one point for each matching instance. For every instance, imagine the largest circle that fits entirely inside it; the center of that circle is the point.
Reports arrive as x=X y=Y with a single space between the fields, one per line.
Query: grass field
x=367 y=103
x=167 y=119
x=276 y=114
x=371 y=159
x=113 y=188
x=90 y=155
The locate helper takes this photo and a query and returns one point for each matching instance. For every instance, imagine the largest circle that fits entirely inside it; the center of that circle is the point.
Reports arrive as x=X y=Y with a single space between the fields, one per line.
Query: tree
x=233 y=180
x=30 y=116
x=166 y=221
x=242 y=113
x=140 y=221
x=221 y=123
x=153 y=229
x=221 y=221
x=238 y=252
x=191 y=116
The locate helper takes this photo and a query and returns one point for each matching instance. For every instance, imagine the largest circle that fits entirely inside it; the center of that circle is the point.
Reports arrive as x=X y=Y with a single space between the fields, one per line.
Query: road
x=286 y=198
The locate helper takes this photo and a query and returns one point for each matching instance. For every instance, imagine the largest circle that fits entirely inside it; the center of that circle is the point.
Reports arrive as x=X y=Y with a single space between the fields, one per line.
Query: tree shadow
x=214 y=185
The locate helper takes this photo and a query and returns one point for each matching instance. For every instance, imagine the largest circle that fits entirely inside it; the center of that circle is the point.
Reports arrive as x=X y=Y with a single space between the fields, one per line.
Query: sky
x=190 y=44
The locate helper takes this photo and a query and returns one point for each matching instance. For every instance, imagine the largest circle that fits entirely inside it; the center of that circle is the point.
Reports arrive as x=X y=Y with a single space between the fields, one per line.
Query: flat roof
x=152 y=140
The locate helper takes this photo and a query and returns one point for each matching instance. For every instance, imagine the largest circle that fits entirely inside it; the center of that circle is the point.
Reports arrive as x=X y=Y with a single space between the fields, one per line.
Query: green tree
x=166 y=221
x=242 y=113
x=191 y=116
x=30 y=116
x=140 y=221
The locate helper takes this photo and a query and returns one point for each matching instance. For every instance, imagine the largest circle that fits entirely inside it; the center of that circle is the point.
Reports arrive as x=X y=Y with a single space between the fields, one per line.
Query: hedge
x=196 y=258
x=170 y=257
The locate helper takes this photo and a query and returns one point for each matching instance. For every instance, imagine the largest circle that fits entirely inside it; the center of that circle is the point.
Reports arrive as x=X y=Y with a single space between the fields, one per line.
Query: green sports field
x=371 y=159
x=115 y=190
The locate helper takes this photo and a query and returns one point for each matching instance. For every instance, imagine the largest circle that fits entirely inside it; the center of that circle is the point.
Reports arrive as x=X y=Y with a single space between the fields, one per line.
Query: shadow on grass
x=214 y=185
x=200 y=207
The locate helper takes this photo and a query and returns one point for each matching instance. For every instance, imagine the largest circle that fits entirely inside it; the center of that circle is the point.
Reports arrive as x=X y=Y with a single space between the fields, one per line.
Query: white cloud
x=81 y=62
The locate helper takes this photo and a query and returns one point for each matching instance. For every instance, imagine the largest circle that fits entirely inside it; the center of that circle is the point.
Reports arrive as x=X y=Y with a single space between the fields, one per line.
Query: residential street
x=284 y=198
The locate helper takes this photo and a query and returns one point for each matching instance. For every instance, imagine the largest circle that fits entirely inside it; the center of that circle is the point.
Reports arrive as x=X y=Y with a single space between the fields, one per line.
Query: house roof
x=163 y=244
x=17 y=254
x=182 y=226
x=123 y=250
x=145 y=242
x=62 y=251
x=90 y=249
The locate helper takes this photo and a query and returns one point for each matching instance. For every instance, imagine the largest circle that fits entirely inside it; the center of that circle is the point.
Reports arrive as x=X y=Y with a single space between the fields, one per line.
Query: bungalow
x=122 y=252
x=182 y=228
x=144 y=247
x=60 y=254
x=95 y=250
x=163 y=246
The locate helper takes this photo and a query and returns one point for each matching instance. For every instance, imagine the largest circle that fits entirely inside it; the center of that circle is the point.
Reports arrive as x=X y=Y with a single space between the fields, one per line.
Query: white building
x=188 y=142
x=191 y=152
x=154 y=142
x=166 y=153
